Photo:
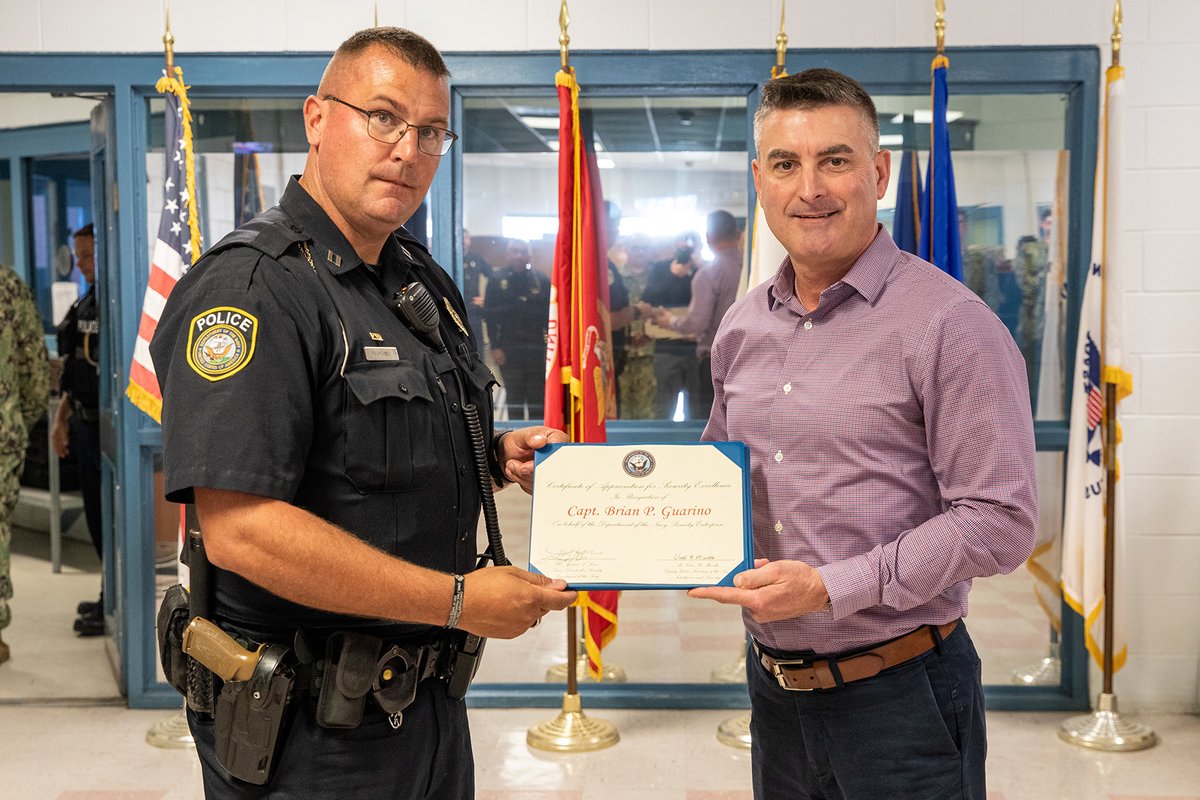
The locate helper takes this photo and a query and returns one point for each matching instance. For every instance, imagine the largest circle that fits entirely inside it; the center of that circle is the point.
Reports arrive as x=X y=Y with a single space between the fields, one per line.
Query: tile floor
x=65 y=733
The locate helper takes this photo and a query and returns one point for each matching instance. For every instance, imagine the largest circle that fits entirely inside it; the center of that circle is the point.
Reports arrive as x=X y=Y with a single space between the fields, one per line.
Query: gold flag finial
x=939 y=25
x=564 y=40
x=781 y=41
x=1116 y=35
x=377 y=15
x=169 y=41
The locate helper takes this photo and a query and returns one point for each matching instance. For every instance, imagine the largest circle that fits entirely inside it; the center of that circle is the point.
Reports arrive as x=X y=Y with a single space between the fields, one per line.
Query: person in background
x=76 y=427
x=669 y=285
x=714 y=288
x=887 y=415
x=517 y=307
x=476 y=274
x=24 y=387
x=636 y=378
x=620 y=311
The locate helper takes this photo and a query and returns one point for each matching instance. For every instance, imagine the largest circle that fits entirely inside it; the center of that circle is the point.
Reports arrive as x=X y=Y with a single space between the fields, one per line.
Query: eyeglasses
x=386 y=127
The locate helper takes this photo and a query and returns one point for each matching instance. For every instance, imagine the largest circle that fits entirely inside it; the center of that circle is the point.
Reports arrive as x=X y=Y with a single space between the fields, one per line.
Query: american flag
x=177 y=245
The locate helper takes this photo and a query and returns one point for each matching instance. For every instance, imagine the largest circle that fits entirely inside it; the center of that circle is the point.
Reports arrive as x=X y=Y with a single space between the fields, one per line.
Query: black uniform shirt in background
x=331 y=404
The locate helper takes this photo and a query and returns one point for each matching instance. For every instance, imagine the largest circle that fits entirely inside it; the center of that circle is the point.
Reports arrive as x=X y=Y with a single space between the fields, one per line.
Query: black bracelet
x=497 y=465
x=456 y=602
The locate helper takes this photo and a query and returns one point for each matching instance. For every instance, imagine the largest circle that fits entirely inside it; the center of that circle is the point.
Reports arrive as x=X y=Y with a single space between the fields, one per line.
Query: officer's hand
x=516 y=452
x=504 y=602
x=59 y=439
x=772 y=591
x=498 y=356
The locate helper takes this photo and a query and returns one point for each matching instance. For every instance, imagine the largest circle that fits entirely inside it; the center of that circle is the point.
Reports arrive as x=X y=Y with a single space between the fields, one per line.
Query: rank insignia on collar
x=454 y=316
x=504 y=284
x=375 y=337
x=333 y=258
x=221 y=341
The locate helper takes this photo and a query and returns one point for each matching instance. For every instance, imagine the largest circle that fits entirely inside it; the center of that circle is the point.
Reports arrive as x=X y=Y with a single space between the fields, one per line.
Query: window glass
x=665 y=164
x=1011 y=175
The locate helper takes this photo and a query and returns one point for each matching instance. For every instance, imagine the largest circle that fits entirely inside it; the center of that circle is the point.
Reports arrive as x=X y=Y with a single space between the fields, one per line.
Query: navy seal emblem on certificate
x=638 y=463
x=657 y=516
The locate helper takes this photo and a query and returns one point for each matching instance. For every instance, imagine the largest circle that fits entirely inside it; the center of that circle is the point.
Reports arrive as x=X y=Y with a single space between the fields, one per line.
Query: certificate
x=648 y=516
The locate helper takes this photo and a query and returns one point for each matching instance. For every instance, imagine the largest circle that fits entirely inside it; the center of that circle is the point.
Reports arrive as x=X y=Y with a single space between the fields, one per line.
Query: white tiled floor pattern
x=58 y=699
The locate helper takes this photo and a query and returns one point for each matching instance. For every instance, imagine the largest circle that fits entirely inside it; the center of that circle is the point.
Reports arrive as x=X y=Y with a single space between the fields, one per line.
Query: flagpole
x=173 y=732
x=571 y=731
x=1104 y=729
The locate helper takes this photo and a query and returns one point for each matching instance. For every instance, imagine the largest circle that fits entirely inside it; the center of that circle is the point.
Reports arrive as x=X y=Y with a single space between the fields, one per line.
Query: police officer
x=322 y=438
x=76 y=428
x=517 y=305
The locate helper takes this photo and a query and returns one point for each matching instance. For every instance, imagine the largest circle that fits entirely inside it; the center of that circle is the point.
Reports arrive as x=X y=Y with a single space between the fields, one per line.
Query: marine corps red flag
x=579 y=364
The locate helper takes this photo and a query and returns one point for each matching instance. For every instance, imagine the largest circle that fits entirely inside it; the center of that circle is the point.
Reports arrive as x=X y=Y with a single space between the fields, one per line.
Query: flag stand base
x=171 y=733
x=733 y=672
x=1047 y=672
x=1104 y=729
x=735 y=732
x=571 y=731
x=609 y=672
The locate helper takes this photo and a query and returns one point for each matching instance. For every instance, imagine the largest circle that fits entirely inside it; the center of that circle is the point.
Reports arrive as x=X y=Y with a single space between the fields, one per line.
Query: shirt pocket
x=389 y=427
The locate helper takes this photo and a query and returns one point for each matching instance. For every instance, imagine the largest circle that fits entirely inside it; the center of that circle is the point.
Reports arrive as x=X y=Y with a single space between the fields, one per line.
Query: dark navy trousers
x=912 y=732
x=428 y=758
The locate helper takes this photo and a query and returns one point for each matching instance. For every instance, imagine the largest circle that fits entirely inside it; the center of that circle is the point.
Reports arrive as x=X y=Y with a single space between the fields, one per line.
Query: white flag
x=1099 y=359
x=766 y=253
x=1045 y=564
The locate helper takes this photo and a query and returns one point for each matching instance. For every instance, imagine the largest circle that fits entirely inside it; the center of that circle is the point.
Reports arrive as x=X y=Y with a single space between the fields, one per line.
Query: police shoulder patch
x=221 y=342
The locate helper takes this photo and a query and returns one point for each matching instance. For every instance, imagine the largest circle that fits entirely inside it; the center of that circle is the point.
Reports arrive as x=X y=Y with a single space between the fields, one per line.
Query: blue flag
x=939 y=207
x=906 y=224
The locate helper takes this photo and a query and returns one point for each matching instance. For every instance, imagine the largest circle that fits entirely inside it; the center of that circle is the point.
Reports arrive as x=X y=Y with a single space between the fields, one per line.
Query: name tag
x=381 y=354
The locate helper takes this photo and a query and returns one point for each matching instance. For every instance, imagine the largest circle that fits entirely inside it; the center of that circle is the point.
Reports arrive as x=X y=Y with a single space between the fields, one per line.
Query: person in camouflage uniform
x=637 y=380
x=24 y=386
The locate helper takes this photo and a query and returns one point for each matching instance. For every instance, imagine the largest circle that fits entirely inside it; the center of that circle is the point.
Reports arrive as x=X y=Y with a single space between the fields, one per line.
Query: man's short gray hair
x=412 y=48
x=816 y=88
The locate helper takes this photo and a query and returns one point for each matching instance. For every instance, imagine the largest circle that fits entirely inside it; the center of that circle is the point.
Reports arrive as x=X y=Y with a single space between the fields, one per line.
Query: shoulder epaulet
x=271 y=233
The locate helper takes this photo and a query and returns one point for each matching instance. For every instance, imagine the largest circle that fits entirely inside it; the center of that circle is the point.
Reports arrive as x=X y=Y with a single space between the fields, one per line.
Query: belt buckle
x=777 y=666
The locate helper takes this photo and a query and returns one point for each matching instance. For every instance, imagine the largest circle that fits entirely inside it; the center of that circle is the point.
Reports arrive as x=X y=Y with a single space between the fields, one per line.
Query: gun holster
x=250 y=716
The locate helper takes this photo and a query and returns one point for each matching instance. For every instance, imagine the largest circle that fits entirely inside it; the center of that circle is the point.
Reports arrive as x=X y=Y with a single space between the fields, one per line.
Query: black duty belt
x=833 y=672
x=84 y=413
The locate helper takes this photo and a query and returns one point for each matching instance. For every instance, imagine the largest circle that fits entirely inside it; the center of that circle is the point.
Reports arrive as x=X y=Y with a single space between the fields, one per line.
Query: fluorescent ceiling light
x=890 y=139
x=606 y=163
x=541 y=123
x=923 y=116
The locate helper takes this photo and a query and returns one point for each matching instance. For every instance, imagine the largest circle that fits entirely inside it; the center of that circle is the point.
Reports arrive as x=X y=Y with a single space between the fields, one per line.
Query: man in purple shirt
x=714 y=288
x=892 y=458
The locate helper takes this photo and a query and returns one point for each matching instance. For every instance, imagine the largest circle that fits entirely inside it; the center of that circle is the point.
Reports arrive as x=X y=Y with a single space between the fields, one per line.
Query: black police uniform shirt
x=518 y=309
x=295 y=380
x=79 y=344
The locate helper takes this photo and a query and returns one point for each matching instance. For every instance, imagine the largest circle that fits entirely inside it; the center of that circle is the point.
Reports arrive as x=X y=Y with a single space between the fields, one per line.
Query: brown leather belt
x=804 y=675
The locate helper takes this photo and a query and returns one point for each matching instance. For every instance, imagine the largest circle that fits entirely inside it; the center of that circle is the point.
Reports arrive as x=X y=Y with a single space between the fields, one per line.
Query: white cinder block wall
x=1161 y=214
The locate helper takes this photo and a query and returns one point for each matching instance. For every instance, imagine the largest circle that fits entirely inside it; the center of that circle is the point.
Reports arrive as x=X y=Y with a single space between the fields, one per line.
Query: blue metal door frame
x=129 y=79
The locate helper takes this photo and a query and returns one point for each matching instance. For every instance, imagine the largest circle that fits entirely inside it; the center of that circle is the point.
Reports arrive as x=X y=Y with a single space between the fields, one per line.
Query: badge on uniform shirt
x=221 y=342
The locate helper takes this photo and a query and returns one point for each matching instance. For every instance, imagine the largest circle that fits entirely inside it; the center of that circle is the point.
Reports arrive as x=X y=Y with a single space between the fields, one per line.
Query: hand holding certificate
x=661 y=516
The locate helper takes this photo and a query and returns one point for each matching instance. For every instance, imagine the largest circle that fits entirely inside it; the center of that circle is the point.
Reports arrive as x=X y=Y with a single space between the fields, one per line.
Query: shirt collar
x=867 y=276
x=330 y=246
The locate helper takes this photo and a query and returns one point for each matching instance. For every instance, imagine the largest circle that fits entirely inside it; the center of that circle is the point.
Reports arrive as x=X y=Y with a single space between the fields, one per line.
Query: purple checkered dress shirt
x=891 y=443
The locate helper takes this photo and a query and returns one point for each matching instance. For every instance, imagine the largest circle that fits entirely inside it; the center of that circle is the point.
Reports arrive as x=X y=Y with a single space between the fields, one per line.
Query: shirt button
x=778 y=456
x=808 y=325
x=778 y=527
x=465 y=534
x=454 y=406
x=787 y=388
